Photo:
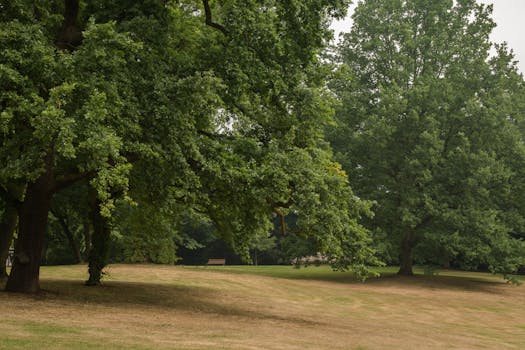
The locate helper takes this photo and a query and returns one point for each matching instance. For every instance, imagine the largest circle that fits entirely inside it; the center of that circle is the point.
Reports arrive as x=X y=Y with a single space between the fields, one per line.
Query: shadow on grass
x=151 y=295
x=441 y=282
x=224 y=302
x=446 y=279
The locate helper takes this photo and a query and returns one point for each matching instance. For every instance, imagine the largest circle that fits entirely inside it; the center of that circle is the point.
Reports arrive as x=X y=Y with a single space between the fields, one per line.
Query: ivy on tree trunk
x=100 y=240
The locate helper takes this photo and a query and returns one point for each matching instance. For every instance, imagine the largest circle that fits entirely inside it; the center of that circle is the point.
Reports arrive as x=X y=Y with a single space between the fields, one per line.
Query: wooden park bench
x=216 y=262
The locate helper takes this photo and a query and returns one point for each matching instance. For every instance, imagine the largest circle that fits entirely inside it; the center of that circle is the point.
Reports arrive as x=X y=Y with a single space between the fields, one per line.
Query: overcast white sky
x=509 y=15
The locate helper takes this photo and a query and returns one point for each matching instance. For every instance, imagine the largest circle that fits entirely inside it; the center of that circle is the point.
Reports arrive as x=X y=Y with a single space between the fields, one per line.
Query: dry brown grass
x=161 y=307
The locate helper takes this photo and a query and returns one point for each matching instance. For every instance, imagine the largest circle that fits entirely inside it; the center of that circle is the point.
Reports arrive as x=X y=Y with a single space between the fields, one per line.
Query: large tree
x=213 y=105
x=427 y=129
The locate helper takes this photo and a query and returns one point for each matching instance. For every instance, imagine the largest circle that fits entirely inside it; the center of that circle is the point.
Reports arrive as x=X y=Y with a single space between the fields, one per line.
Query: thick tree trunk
x=99 y=253
x=7 y=230
x=87 y=238
x=70 y=36
x=405 y=256
x=74 y=246
x=31 y=231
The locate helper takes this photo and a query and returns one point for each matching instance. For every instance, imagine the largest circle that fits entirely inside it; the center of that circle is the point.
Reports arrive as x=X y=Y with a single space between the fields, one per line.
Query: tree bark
x=209 y=20
x=7 y=230
x=446 y=264
x=69 y=235
x=70 y=36
x=33 y=211
x=405 y=256
x=99 y=253
x=87 y=237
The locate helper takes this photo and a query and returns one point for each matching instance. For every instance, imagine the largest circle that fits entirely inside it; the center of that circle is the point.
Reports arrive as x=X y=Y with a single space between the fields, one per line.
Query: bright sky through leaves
x=508 y=15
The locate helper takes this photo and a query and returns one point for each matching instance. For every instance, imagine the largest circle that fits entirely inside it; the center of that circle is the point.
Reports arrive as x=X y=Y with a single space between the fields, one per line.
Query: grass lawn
x=265 y=307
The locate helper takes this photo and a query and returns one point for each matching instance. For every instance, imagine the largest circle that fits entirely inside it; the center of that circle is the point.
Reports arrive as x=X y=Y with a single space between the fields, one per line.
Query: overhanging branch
x=70 y=179
x=209 y=20
x=9 y=197
x=214 y=136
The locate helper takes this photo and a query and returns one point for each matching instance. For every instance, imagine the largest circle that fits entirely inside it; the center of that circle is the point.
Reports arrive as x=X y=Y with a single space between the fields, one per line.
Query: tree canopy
x=209 y=106
x=129 y=119
x=430 y=129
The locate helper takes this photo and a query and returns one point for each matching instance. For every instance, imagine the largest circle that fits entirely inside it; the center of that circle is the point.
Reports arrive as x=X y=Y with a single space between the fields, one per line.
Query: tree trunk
x=405 y=256
x=283 y=224
x=45 y=247
x=99 y=253
x=70 y=36
x=70 y=237
x=33 y=213
x=87 y=238
x=7 y=230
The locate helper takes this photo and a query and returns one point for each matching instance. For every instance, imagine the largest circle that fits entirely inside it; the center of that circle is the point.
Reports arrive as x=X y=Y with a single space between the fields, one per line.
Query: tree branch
x=209 y=21
x=216 y=136
x=70 y=179
x=282 y=221
x=284 y=205
x=70 y=36
x=9 y=197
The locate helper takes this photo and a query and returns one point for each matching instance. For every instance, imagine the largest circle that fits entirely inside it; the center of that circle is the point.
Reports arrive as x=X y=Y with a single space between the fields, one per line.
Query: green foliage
x=262 y=244
x=58 y=250
x=294 y=248
x=147 y=233
x=153 y=106
x=429 y=129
